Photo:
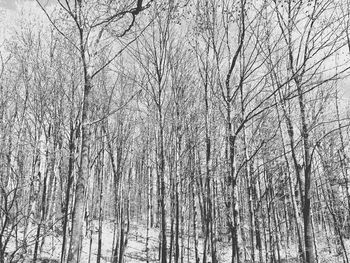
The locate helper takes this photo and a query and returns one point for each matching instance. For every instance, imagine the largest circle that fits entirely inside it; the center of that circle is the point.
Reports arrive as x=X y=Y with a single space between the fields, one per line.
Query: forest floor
x=136 y=248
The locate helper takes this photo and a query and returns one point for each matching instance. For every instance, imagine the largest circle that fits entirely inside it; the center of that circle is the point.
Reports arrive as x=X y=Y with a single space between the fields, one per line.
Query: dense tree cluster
x=219 y=125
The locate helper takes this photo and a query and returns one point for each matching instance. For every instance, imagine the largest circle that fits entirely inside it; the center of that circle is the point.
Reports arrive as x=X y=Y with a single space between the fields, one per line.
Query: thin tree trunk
x=100 y=214
x=67 y=193
x=309 y=248
x=79 y=204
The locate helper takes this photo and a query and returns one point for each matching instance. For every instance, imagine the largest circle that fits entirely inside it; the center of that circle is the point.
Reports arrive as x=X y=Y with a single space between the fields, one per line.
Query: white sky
x=10 y=9
x=10 y=12
x=11 y=4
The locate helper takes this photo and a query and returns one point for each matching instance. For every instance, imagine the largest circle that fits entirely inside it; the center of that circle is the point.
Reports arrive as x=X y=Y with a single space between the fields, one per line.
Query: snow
x=136 y=250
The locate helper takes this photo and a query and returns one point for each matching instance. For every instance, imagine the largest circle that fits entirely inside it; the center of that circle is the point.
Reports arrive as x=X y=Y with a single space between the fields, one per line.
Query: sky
x=347 y=91
x=10 y=5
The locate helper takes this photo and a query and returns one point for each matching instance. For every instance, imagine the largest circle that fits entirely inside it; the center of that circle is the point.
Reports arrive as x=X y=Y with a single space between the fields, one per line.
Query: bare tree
x=90 y=21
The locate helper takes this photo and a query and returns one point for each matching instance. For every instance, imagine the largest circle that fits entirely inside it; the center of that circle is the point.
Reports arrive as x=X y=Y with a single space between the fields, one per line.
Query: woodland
x=175 y=131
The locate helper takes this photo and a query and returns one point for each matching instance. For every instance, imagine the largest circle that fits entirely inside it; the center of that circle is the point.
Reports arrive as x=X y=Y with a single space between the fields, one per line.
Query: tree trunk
x=308 y=239
x=79 y=204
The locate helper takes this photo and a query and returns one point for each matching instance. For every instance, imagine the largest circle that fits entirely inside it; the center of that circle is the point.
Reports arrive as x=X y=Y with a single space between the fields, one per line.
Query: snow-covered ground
x=136 y=250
